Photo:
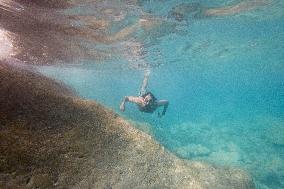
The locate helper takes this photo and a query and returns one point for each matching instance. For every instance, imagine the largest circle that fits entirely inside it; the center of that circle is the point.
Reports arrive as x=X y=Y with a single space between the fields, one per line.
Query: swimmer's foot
x=147 y=73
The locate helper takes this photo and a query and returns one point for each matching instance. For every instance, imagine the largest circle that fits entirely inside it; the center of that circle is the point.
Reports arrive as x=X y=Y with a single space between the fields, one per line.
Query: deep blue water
x=224 y=78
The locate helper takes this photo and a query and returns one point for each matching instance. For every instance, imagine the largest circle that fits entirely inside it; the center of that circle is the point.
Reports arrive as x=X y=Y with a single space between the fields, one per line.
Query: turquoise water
x=223 y=76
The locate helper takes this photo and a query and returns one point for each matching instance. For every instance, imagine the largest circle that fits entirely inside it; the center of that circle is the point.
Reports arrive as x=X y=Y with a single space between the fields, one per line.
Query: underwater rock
x=50 y=138
x=142 y=126
x=39 y=181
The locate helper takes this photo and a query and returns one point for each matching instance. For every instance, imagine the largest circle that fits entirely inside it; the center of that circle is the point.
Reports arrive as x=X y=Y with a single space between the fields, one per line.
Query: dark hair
x=151 y=94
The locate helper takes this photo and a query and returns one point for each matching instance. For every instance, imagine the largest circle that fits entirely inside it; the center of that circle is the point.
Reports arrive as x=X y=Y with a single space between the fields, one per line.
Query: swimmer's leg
x=143 y=89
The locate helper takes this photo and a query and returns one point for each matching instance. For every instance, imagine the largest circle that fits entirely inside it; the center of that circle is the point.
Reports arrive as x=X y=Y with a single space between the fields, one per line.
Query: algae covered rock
x=50 y=138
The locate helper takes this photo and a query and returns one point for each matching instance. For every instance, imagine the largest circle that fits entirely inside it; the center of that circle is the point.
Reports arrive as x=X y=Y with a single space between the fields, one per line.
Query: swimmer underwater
x=146 y=101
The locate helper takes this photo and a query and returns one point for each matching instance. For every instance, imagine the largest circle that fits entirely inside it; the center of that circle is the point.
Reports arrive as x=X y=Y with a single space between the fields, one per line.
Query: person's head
x=149 y=98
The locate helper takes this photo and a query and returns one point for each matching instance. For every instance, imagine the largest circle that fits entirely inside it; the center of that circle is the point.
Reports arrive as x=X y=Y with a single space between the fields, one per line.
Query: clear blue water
x=224 y=78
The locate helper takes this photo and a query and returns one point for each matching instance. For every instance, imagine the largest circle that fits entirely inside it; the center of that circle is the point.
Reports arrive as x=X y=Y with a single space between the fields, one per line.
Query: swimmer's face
x=147 y=98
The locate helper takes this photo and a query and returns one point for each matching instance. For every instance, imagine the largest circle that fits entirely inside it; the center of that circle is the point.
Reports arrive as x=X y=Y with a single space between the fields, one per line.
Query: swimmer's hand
x=164 y=103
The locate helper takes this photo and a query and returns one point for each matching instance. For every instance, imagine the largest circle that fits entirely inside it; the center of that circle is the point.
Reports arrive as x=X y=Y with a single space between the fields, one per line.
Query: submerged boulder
x=51 y=138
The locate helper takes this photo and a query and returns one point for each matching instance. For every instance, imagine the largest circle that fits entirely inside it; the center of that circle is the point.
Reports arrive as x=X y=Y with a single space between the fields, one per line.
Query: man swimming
x=146 y=101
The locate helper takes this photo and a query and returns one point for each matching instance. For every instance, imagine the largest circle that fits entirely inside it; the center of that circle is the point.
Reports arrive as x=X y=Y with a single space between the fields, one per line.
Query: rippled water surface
x=223 y=75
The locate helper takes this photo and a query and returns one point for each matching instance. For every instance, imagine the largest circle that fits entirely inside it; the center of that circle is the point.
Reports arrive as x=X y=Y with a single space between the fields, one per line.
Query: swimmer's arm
x=132 y=99
x=164 y=103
